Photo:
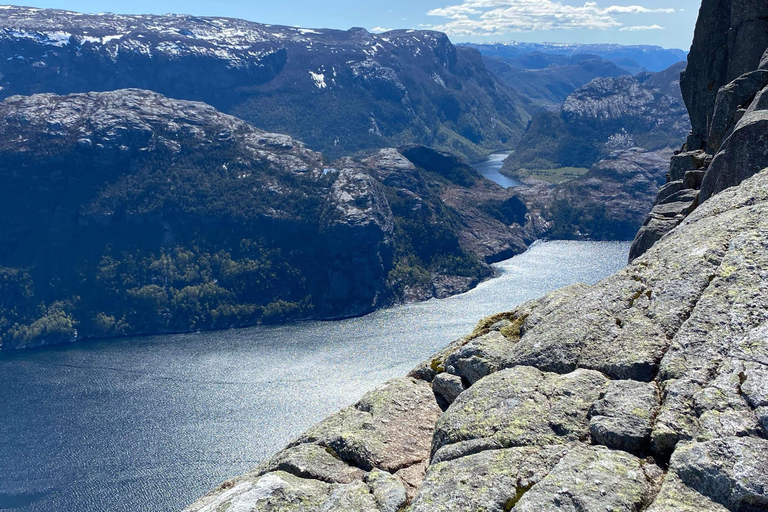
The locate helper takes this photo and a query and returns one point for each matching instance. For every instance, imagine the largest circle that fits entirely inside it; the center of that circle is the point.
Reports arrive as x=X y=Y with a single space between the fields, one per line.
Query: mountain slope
x=339 y=91
x=546 y=81
x=127 y=212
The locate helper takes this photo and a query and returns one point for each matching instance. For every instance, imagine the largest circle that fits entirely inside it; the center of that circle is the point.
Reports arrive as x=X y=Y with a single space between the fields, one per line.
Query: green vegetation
x=208 y=238
x=555 y=176
x=426 y=244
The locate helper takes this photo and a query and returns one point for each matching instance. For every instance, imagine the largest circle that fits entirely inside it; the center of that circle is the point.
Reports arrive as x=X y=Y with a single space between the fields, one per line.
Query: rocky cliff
x=338 y=91
x=723 y=87
x=127 y=212
x=644 y=392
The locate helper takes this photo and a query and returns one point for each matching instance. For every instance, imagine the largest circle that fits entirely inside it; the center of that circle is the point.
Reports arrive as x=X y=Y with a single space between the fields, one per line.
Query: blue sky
x=667 y=23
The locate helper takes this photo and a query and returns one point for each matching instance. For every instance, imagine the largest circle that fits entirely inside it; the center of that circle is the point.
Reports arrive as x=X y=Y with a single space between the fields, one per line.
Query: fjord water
x=490 y=169
x=149 y=424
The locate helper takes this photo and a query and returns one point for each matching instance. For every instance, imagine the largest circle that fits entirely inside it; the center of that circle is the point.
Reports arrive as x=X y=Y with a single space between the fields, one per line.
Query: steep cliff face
x=338 y=91
x=127 y=212
x=730 y=38
x=646 y=391
x=723 y=87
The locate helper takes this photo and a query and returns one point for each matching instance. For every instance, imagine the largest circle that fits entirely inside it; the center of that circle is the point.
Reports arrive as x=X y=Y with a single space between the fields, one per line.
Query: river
x=149 y=424
x=490 y=169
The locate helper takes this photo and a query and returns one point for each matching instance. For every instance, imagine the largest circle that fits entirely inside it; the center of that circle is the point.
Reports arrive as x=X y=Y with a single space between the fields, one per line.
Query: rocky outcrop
x=730 y=38
x=127 y=212
x=606 y=152
x=603 y=116
x=338 y=91
x=610 y=202
x=722 y=87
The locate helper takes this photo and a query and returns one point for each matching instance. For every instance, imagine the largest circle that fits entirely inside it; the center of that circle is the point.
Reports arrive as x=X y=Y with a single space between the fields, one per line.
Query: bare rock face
x=723 y=87
x=731 y=37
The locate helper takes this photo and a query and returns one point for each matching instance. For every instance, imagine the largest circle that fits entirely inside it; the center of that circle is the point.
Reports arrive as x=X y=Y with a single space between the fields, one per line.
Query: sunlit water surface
x=149 y=424
x=490 y=169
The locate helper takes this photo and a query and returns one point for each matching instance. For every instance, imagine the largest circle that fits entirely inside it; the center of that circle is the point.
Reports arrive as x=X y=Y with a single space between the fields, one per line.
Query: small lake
x=490 y=169
x=150 y=424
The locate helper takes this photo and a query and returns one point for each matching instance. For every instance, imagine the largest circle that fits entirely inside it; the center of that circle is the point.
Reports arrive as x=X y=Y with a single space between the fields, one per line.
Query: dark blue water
x=490 y=169
x=150 y=424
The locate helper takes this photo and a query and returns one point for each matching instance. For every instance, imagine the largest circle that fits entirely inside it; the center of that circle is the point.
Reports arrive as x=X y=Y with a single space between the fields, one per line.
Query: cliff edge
x=645 y=392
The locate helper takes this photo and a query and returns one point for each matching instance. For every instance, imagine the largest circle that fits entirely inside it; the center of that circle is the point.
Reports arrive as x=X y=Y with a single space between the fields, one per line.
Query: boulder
x=669 y=189
x=684 y=162
x=315 y=462
x=590 y=479
x=520 y=406
x=447 y=387
x=390 y=428
x=730 y=99
x=387 y=490
x=622 y=419
x=742 y=155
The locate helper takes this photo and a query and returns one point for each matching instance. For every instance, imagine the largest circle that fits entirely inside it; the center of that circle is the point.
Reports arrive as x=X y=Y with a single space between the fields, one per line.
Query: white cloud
x=635 y=28
x=379 y=30
x=494 y=17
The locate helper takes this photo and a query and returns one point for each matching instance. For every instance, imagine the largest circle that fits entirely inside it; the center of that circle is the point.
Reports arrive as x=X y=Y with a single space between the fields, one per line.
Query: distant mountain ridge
x=633 y=58
x=338 y=91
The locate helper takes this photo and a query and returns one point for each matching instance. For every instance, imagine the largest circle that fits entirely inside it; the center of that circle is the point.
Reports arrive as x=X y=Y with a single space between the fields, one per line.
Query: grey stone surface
x=669 y=189
x=742 y=155
x=730 y=98
x=480 y=357
x=675 y=496
x=313 y=461
x=490 y=480
x=730 y=39
x=447 y=387
x=387 y=490
x=519 y=406
x=590 y=479
x=693 y=179
x=732 y=471
x=390 y=428
x=684 y=162
x=622 y=418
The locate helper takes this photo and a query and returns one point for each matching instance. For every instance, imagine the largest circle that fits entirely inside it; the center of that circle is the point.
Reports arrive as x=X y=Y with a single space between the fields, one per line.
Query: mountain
x=127 y=212
x=634 y=59
x=608 y=202
x=593 y=169
x=724 y=88
x=338 y=91
x=545 y=81
x=604 y=115
x=643 y=392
